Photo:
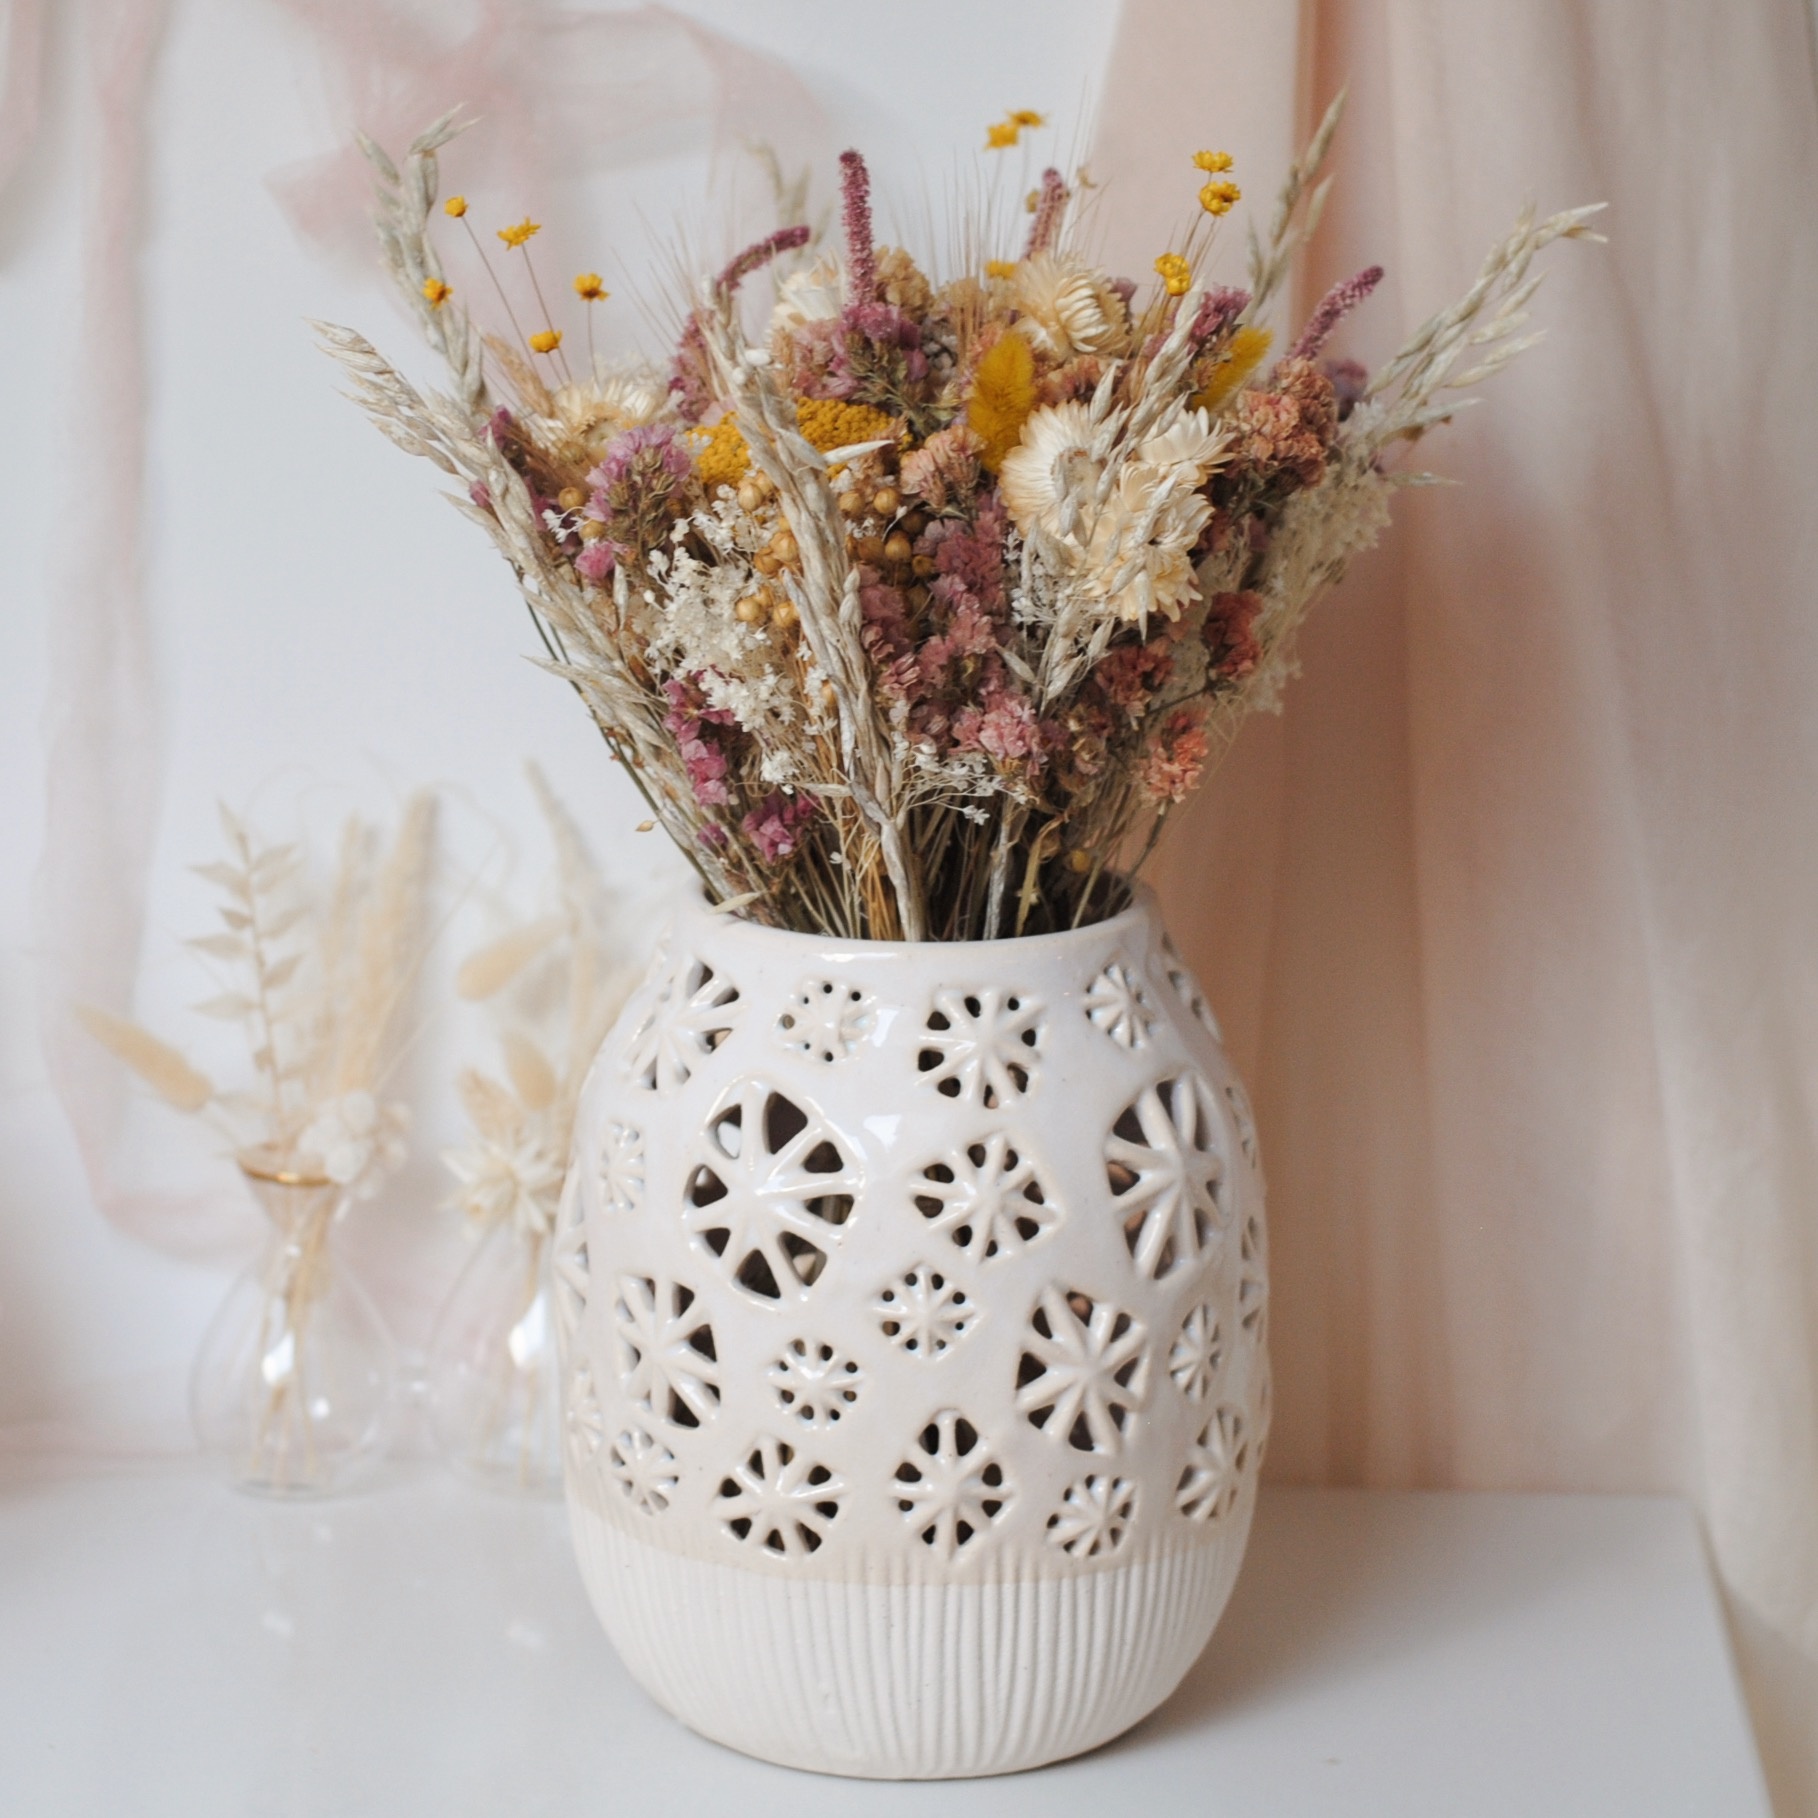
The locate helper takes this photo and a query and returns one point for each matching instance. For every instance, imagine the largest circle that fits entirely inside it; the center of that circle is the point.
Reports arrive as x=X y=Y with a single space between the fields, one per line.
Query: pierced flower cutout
x=1166 y=1175
x=779 y=1500
x=644 y=1469
x=1083 y=1370
x=1116 y=1003
x=1209 y=1485
x=924 y=1313
x=815 y=1383
x=771 y=1191
x=987 y=1197
x=827 y=1019
x=690 y=1016
x=981 y=1045
x=1197 y=1354
x=950 y=1488
x=667 y=1361
x=1094 y=1516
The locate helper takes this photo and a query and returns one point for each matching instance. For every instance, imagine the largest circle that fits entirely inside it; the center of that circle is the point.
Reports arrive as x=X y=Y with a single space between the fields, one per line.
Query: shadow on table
x=1315 y=1602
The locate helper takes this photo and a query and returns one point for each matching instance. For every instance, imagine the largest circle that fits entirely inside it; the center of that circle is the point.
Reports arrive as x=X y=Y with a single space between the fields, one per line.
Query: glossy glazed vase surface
x=912 y=1300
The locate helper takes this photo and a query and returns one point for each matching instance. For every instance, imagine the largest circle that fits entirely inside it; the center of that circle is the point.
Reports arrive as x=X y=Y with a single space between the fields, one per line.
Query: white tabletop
x=168 y=1647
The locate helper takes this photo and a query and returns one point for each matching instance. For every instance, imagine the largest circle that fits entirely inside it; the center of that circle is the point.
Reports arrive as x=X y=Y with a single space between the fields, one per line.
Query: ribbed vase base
x=895 y=1681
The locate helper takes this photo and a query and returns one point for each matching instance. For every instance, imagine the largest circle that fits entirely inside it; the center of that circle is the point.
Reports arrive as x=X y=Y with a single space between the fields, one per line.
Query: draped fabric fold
x=1511 y=914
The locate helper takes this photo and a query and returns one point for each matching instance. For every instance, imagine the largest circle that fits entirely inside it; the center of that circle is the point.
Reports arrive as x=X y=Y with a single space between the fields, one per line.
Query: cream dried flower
x=614 y=398
x=356 y=1141
x=1133 y=551
x=812 y=294
x=1068 y=308
x=510 y=1174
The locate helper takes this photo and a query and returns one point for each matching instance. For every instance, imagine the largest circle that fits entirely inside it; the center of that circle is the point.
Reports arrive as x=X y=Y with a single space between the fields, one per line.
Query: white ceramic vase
x=912 y=1303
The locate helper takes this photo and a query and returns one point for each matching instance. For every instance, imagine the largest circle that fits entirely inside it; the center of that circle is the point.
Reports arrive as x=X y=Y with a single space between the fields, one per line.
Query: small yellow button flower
x=1212 y=162
x=1001 y=136
x=1216 y=198
x=1176 y=274
x=436 y=293
x=589 y=287
x=455 y=206
x=516 y=236
x=1000 y=268
x=546 y=340
x=1026 y=116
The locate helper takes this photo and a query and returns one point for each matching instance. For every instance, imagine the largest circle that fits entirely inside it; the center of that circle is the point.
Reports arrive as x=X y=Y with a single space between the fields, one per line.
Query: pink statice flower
x=596 y=561
x=636 y=487
x=695 y=727
x=775 y=825
x=1003 y=725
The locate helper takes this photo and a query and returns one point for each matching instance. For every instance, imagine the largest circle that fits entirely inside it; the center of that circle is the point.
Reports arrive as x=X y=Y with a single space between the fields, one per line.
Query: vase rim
x=261 y=1162
x=1141 y=907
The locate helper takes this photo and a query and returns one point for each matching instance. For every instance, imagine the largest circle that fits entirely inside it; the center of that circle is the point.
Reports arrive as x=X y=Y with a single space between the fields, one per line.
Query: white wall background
x=327 y=632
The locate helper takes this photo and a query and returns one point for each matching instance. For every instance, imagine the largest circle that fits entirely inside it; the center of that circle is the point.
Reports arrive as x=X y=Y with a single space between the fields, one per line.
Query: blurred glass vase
x=294 y=1391
x=495 y=1399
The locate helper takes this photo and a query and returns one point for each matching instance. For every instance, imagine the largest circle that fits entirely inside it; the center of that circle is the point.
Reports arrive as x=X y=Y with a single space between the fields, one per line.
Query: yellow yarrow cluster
x=722 y=458
x=1175 y=273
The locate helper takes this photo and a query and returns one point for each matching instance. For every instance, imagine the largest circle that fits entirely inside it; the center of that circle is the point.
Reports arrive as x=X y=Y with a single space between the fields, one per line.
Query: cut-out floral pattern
x=569 y=1265
x=1094 y=1516
x=621 y=1170
x=667 y=1363
x=644 y=1469
x=1186 y=988
x=925 y=1313
x=771 y=1190
x=1083 y=1370
x=1166 y=1174
x=815 y=1383
x=690 y=1016
x=950 y=1488
x=987 y=1197
x=980 y=1045
x=1116 y=1003
x=826 y=1019
x=1252 y=1280
x=583 y=1417
x=1241 y=1119
x=777 y=1499
x=1197 y=1354
x=1213 y=1476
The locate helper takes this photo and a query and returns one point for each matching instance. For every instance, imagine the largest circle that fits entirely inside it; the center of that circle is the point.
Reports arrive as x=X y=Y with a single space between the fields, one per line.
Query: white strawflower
x=1069 y=308
x=809 y=295
x=1134 y=551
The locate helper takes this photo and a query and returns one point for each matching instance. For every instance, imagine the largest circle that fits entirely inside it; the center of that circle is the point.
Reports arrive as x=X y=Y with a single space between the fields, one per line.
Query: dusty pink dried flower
x=1050 y=205
x=1172 y=764
x=759 y=254
x=775 y=825
x=1337 y=303
x=855 y=217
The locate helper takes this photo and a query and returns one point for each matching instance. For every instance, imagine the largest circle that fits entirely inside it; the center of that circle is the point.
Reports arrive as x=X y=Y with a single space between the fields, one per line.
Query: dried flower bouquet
x=913 y=613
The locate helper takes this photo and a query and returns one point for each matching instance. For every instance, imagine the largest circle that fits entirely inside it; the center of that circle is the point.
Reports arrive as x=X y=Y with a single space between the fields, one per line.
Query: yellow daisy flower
x=1212 y=162
x=588 y=286
x=436 y=293
x=1216 y=198
x=516 y=236
x=546 y=340
x=455 y=206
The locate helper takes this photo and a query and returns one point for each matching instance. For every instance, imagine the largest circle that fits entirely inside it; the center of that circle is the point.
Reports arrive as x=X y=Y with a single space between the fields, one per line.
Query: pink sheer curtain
x=1511 y=915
